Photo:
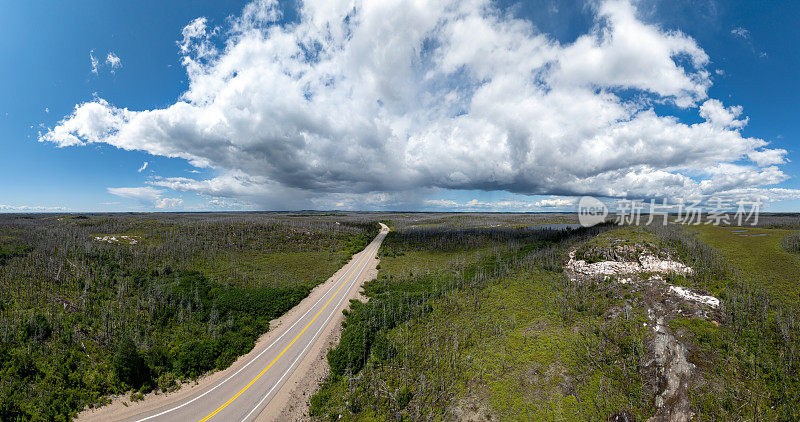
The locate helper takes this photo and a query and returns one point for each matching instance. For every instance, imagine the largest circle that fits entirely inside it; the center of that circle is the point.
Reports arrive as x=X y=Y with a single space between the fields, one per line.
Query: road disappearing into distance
x=243 y=391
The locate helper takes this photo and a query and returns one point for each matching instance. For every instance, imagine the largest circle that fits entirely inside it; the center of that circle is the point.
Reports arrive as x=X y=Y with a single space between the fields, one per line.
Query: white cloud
x=93 y=62
x=626 y=53
x=144 y=166
x=768 y=195
x=147 y=195
x=363 y=99
x=31 y=208
x=194 y=30
x=717 y=115
x=556 y=202
x=91 y=122
x=562 y=203
x=168 y=202
x=113 y=61
x=745 y=36
x=443 y=203
x=197 y=43
x=741 y=32
x=228 y=204
x=477 y=205
x=233 y=184
x=768 y=157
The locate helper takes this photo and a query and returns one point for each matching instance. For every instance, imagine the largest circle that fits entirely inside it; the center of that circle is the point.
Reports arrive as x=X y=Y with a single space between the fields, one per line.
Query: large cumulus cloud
x=391 y=98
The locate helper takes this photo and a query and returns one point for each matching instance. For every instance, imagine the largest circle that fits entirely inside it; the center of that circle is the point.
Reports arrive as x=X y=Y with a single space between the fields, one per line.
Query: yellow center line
x=246 y=387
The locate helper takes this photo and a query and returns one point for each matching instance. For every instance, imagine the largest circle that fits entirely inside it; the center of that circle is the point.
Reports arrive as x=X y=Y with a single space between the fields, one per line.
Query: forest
x=481 y=321
x=106 y=304
x=473 y=316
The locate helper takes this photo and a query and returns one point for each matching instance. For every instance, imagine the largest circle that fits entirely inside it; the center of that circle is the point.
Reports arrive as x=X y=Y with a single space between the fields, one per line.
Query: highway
x=249 y=386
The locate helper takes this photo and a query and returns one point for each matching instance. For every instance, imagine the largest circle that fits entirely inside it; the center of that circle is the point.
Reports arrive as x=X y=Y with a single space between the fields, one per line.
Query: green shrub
x=353 y=348
x=129 y=365
x=167 y=382
x=196 y=358
x=404 y=396
x=12 y=251
x=707 y=335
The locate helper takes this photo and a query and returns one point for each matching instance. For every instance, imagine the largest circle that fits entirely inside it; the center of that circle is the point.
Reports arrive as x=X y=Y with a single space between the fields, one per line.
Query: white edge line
x=251 y=360
x=313 y=340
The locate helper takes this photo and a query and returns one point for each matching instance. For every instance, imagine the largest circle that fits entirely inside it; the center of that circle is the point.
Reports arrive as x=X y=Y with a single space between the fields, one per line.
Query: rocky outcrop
x=669 y=372
x=647 y=263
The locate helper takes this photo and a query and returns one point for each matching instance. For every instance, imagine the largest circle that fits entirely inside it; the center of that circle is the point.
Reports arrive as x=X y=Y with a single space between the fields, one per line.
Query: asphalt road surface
x=243 y=391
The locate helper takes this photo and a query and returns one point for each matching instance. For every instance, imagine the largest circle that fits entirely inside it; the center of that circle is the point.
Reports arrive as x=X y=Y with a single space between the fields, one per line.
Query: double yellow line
x=367 y=252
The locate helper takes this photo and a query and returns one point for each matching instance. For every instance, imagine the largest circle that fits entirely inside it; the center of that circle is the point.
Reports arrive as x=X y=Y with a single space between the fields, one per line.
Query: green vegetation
x=471 y=316
x=82 y=318
x=481 y=324
x=748 y=364
x=493 y=328
x=9 y=249
x=622 y=244
x=758 y=254
x=706 y=335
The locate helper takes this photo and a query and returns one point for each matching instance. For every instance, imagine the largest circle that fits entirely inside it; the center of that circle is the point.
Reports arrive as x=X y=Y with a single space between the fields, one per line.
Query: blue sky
x=752 y=60
x=47 y=46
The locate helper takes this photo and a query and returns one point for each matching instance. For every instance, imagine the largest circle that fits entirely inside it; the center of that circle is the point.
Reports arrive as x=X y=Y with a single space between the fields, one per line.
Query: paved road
x=245 y=389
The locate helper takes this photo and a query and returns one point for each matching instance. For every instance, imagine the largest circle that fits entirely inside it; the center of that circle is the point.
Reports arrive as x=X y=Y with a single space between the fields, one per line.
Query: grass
x=418 y=262
x=759 y=257
x=535 y=366
x=280 y=269
x=705 y=334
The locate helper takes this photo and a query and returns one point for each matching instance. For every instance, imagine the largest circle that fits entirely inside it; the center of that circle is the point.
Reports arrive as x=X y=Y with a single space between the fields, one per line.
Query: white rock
x=651 y=263
x=647 y=263
x=694 y=297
